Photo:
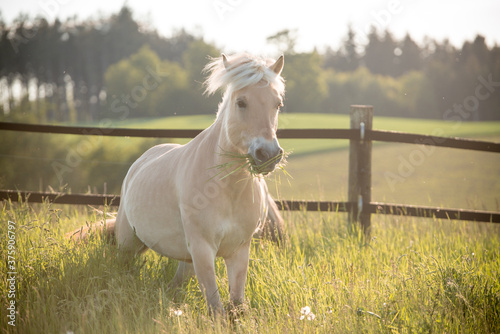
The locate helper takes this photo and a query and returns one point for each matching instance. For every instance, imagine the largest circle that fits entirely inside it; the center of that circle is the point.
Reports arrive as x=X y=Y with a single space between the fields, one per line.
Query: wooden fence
x=361 y=135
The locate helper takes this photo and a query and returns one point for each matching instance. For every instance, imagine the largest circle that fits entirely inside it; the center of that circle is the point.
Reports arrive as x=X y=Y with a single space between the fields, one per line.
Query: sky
x=244 y=25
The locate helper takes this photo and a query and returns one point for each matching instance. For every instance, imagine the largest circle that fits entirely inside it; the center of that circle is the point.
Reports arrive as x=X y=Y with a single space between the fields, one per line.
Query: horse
x=199 y=201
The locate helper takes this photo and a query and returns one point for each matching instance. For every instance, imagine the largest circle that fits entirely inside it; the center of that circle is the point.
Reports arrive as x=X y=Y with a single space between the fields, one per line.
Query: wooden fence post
x=360 y=167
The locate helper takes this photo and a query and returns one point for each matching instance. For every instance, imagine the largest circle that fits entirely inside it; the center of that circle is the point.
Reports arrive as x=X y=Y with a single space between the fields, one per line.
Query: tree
x=194 y=59
x=172 y=48
x=305 y=83
x=67 y=63
x=379 y=55
x=145 y=86
x=475 y=60
x=409 y=56
x=346 y=59
x=285 y=41
x=125 y=84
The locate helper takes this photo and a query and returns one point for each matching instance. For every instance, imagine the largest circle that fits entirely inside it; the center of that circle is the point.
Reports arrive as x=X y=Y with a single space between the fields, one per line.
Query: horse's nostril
x=261 y=155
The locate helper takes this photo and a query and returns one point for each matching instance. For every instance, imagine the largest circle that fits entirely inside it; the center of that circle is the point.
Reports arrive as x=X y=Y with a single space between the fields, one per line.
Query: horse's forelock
x=243 y=70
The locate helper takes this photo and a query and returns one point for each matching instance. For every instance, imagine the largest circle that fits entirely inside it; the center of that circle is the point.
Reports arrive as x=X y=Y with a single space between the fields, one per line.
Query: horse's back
x=146 y=158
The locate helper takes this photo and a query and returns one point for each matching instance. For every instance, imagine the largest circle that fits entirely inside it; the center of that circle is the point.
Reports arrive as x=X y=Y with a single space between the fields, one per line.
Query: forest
x=116 y=67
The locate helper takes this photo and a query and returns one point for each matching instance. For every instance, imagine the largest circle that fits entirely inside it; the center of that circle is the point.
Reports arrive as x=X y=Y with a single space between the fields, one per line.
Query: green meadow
x=410 y=276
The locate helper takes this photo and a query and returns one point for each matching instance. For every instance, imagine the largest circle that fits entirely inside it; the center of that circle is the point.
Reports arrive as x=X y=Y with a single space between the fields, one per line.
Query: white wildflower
x=306 y=313
x=177 y=313
x=305 y=310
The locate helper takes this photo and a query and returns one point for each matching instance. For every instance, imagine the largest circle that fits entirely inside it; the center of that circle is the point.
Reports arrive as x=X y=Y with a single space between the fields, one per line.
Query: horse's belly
x=160 y=229
x=152 y=209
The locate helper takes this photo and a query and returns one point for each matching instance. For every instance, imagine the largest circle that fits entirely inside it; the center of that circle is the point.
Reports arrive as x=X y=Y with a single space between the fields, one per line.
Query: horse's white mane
x=242 y=71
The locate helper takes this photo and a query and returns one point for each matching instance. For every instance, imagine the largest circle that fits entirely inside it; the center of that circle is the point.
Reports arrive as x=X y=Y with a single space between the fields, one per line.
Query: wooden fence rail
x=360 y=207
x=352 y=134
x=325 y=206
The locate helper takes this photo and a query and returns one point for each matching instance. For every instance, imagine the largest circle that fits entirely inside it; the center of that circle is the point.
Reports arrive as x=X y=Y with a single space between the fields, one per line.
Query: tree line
x=117 y=67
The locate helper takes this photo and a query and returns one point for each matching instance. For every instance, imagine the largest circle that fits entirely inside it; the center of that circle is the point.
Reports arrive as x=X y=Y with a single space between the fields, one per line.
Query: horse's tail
x=273 y=228
x=105 y=228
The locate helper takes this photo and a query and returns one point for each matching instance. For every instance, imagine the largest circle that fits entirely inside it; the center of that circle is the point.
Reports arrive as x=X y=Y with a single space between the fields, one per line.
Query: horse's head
x=250 y=108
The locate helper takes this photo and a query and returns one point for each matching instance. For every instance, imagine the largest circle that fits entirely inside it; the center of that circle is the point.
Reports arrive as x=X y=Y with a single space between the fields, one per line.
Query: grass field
x=412 y=275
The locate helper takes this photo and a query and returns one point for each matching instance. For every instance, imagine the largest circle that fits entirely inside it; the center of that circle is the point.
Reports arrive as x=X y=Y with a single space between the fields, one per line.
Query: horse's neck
x=221 y=129
x=218 y=141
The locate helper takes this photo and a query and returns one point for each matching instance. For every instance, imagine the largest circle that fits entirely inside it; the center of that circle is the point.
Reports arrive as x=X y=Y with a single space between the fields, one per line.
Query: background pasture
x=448 y=177
x=412 y=275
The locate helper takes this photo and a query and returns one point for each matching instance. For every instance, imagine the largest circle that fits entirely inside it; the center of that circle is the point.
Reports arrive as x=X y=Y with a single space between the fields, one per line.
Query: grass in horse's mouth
x=239 y=162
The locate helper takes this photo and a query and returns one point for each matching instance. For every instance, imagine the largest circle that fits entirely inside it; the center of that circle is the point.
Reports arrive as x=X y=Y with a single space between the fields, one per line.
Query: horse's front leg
x=203 y=257
x=237 y=269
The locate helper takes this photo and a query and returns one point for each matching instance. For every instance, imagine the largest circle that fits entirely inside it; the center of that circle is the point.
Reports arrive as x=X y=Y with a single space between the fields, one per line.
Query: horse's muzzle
x=265 y=155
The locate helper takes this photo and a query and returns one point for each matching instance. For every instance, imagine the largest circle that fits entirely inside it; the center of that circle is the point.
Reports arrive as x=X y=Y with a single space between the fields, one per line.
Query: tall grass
x=412 y=275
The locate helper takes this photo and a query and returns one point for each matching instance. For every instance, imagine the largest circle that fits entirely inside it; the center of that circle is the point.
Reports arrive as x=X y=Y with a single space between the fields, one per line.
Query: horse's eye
x=241 y=104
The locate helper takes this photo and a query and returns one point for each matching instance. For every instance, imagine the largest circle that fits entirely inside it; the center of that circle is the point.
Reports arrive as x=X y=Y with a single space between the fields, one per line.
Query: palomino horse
x=176 y=203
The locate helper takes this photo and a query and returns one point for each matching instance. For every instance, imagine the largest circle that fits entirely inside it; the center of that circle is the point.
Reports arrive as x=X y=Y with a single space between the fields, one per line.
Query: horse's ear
x=277 y=67
x=224 y=60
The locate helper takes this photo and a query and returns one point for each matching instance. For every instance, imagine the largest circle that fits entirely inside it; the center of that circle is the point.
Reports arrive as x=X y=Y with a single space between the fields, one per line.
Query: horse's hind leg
x=184 y=270
x=127 y=241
